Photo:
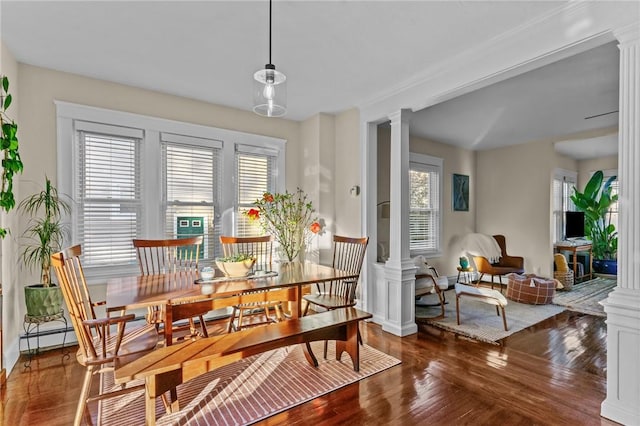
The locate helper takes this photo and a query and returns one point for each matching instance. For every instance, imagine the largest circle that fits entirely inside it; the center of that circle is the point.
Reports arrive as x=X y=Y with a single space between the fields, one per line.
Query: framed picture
x=460 y=196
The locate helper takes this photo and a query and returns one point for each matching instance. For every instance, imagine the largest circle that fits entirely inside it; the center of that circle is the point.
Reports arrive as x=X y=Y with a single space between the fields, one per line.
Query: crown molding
x=565 y=31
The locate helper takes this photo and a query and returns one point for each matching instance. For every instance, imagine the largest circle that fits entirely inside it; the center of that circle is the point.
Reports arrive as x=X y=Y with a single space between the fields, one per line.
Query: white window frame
x=615 y=209
x=152 y=127
x=416 y=162
x=558 y=212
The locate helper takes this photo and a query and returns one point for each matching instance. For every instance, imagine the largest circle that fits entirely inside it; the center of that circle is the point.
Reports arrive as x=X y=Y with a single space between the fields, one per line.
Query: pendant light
x=269 y=87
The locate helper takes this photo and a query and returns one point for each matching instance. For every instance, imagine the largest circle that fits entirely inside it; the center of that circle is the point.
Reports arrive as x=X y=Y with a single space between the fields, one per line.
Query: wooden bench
x=167 y=367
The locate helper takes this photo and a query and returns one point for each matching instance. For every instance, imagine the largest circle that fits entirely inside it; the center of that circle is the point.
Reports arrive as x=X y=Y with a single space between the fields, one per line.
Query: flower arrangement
x=289 y=217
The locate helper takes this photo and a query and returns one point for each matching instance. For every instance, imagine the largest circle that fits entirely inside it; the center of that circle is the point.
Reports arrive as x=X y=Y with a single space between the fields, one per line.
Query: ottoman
x=530 y=289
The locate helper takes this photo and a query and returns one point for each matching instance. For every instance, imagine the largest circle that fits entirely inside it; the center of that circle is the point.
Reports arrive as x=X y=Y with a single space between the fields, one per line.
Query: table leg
x=296 y=306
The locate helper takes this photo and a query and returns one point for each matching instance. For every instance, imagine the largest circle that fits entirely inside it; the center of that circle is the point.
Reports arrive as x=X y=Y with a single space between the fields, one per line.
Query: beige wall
x=514 y=191
x=347 y=173
x=455 y=224
x=12 y=293
x=587 y=167
x=313 y=141
x=317 y=166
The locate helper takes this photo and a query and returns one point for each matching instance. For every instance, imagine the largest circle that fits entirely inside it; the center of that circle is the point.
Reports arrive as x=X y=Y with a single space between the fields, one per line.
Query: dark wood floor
x=550 y=374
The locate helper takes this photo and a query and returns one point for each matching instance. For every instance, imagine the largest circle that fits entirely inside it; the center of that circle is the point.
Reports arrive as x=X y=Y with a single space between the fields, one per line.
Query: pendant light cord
x=269 y=31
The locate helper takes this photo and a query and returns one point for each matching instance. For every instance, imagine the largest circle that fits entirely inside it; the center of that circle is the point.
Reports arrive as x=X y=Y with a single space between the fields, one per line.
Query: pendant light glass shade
x=269 y=87
x=269 y=92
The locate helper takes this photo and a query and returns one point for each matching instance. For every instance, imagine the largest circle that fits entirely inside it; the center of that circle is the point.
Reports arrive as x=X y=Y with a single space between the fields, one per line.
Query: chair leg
x=326 y=346
x=306 y=309
x=203 y=326
x=231 y=320
x=458 y=309
x=504 y=319
x=84 y=395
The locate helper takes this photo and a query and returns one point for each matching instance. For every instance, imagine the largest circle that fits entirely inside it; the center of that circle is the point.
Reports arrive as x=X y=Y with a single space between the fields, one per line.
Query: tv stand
x=576 y=247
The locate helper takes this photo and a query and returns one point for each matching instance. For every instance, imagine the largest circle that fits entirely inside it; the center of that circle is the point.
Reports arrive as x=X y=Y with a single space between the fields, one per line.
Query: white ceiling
x=336 y=55
x=548 y=102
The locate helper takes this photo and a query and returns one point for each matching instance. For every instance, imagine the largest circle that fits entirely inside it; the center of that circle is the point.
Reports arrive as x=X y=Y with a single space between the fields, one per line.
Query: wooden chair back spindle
x=168 y=255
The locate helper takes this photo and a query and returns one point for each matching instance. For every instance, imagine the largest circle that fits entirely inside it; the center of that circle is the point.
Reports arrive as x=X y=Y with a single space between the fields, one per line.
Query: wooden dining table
x=140 y=291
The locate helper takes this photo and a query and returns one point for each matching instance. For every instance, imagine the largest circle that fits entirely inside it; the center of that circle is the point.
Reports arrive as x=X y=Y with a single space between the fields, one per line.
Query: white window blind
x=255 y=175
x=108 y=196
x=136 y=176
x=424 y=207
x=191 y=178
x=563 y=183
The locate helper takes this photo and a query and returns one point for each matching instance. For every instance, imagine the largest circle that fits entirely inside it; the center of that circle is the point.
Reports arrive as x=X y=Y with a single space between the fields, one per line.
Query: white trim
x=570 y=175
x=189 y=140
x=153 y=132
x=421 y=160
x=127 y=119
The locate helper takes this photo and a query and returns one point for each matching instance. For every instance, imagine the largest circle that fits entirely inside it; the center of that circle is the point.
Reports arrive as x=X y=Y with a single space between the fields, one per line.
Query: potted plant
x=11 y=162
x=44 y=235
x=596 y=202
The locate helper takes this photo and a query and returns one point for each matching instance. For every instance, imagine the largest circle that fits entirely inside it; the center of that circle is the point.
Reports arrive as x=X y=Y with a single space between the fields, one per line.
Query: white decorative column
x=623 y=304
x=400 y=271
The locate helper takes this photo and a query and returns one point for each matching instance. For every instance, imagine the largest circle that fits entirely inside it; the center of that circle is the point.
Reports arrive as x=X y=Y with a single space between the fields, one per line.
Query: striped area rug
x=586 y=296
x=252 y=389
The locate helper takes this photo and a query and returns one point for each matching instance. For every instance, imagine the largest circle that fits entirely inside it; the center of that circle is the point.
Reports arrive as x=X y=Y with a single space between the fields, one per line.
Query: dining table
x=183 y=287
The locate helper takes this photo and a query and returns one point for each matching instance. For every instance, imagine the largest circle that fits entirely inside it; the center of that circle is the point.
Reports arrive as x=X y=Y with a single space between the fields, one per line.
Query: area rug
x=478 y=320
x=585 y=296
x=251 y=389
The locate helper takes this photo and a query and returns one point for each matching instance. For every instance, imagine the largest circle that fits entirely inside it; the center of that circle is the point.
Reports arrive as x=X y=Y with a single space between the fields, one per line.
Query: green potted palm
x=43 y=236
x=596 y=202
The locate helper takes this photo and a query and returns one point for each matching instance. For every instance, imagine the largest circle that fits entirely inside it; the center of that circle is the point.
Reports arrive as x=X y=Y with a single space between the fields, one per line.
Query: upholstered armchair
x=506 y=265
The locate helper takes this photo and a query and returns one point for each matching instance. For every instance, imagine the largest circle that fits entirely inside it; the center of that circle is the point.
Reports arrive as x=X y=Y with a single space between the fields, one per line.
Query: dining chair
x=170 y=256
x=262 y=248
x=100 y=348
x=348 y=255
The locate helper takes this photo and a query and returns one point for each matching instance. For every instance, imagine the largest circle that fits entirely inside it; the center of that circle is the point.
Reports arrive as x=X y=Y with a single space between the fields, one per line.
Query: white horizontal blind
x=424 y=208
x=562 y=190
x=191 y=179
x=558 y=210
x=254 y=176
x=108 y=197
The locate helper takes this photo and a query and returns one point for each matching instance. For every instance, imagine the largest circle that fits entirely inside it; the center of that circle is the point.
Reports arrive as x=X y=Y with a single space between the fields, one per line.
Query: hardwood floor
x=550 y=374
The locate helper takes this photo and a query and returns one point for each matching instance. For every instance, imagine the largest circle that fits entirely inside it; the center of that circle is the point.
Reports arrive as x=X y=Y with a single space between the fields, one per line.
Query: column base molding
x=623 y=342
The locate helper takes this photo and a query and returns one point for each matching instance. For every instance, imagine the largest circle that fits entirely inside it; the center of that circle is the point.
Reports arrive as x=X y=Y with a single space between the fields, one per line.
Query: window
x=191 y=169
x=563 y=183
x=254 y=171
x=135 y=176
x=108 y=201
x=425 y=201
x=613 y=210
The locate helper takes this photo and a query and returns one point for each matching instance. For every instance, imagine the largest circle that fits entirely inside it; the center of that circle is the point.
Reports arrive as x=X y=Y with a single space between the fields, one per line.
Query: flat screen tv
x=574 y=225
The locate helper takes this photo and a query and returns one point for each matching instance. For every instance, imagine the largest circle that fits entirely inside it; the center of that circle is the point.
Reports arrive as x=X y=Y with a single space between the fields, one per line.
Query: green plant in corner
x=11 y=162
x=45 y=233
x=596 y=202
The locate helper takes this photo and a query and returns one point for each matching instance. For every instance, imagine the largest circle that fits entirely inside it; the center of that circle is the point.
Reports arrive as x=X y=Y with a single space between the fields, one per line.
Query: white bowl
x=235 y=269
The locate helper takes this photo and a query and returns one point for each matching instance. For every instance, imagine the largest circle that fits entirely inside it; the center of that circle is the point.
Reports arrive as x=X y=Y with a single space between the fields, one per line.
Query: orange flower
x=253 y=214
x=315 y=227
x=268 y=197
